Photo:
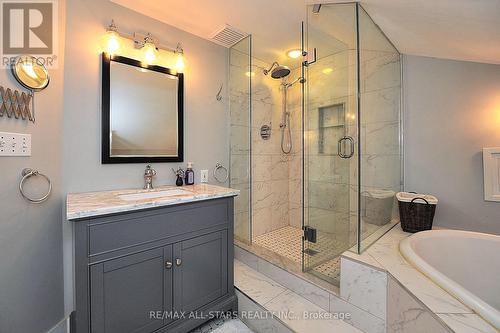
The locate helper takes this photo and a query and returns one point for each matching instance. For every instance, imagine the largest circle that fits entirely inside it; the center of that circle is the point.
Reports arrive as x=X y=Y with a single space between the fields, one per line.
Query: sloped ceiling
x=454 y=29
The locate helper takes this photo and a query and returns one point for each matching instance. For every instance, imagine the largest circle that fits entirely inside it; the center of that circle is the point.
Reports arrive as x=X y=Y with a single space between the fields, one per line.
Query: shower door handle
x=341 y=145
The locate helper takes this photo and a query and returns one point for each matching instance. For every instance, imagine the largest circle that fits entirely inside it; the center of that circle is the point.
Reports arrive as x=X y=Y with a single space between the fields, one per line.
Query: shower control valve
x=265 y=132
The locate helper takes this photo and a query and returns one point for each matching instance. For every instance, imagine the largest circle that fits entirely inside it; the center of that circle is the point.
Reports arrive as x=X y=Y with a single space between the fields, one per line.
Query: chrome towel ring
x=27 y=173
x=217 y=169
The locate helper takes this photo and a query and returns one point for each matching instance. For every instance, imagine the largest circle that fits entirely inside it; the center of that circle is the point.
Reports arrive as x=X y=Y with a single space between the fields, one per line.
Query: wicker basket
x=416 y=211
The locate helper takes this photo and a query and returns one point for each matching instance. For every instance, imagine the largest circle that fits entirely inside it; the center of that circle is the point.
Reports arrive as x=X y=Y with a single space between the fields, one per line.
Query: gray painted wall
x=206 y=120
x=452 y=111
x=31 y=271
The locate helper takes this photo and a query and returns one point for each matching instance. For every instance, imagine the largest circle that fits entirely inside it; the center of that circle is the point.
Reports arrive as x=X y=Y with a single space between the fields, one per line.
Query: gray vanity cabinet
x=143 y=271
x=203 y=274
x=123 y=291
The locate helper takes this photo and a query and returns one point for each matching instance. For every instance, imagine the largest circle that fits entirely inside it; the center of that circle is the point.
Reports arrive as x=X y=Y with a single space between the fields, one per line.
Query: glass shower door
x=330 y=139
x=240 y=107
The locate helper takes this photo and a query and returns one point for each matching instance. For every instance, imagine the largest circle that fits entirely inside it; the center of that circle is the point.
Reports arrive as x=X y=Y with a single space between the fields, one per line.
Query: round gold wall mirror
x=31 y=73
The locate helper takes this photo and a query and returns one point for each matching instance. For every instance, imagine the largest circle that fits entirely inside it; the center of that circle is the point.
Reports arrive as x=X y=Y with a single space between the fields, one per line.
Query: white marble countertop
x=82 y=205
x=384 y=255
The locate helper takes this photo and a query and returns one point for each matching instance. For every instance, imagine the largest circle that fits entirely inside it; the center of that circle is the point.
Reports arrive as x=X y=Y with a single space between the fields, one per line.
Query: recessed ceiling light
x=294 y=54
x=327 y=70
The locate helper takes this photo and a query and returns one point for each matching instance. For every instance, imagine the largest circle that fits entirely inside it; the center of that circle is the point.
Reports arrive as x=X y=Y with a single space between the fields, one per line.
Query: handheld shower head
x=277 y=72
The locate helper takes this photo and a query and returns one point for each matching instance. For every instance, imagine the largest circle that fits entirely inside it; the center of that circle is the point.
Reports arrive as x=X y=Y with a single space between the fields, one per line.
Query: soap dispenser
x=189 y=174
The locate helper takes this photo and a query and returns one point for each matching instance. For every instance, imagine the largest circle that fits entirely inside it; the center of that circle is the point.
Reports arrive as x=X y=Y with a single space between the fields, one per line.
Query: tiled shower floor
x=287 y=242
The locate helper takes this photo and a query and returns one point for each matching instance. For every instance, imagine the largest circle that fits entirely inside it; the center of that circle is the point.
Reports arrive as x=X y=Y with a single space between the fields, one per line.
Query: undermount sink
x=153 y=194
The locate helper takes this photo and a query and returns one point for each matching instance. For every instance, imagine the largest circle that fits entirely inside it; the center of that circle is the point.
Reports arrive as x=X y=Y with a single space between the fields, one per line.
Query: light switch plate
x=15 y=144
x=204 y=176
x=491 y=165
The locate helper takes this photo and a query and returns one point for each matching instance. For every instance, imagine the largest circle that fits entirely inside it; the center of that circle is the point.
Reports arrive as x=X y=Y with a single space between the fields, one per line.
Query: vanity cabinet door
x=125 y=291
x=200 y=274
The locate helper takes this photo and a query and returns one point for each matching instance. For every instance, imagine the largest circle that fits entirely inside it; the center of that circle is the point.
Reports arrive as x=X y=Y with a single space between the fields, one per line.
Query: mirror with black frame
x=142 y=112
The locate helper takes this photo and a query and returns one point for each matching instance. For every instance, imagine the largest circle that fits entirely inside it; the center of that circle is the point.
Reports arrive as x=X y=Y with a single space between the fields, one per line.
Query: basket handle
x=413 y=200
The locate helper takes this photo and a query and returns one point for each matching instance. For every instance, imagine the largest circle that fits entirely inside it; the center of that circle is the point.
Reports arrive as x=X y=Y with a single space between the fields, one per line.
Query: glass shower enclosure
x=345 y=167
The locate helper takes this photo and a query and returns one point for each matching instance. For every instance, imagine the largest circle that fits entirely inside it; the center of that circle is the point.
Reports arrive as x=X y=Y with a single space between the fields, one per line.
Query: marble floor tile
x=256 y=285
x=247 y=307
x=308 y=290
x=300 y=315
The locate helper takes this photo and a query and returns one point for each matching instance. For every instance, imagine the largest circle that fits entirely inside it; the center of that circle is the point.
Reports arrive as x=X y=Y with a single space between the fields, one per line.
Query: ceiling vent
x=227 y=36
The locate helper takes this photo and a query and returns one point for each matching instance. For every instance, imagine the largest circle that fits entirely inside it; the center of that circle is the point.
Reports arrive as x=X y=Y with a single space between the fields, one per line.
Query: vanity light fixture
x=149 y=50
x=179 y=64
x=148 y=45
x=294 y=54
x=112 y=39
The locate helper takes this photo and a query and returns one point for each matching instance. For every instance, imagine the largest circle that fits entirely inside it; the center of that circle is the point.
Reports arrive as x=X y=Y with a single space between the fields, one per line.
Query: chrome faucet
x=149 y=173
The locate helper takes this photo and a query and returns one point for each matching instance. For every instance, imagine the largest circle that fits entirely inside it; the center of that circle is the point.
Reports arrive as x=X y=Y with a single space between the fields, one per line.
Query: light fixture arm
x=140 y=39
x=179 y=49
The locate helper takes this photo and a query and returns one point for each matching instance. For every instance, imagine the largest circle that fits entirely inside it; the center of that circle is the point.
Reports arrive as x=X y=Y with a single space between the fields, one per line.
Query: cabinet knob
x=178 y=261
x=168 y=264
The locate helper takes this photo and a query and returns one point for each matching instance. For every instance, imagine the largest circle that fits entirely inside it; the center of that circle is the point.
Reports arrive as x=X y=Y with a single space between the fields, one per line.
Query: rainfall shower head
x=277 y=72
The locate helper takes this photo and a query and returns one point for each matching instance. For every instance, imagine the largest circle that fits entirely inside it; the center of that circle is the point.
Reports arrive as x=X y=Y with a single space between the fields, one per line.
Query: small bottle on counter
x=189 y=174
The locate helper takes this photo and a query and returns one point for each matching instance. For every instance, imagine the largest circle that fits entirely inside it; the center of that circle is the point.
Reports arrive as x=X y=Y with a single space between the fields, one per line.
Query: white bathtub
x=464 y=263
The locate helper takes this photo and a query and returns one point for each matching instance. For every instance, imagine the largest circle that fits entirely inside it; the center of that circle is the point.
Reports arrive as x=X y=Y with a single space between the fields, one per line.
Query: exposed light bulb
x=179 y=63
x=112 y=39
x=294 y=54
x=113 y=44
x=149 y=51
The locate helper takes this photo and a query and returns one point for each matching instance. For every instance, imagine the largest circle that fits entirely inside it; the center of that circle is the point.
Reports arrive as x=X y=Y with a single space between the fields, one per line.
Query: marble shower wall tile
x=279 y=168
x=270 y=168
x=239 y=171
x=240 y=139
x=380 y=138
x=242 y=201
x=383 y=71
x=261 y=221
x=381 y=105
x=295 y=192
x=407 y=315
x=364 y=287
x=242 y=226
x=295 y=217
x=381 y=171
